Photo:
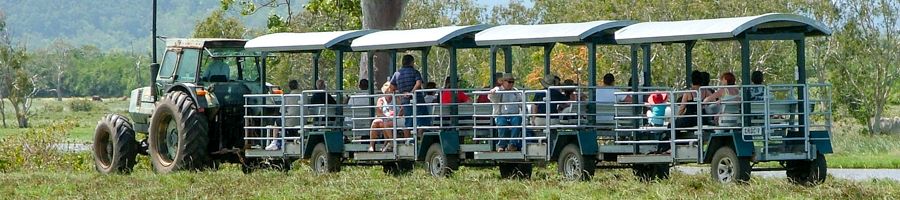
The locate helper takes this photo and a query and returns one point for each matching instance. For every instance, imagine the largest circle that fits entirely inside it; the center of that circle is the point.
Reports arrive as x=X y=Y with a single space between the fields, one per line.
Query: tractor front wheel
x=114 y=148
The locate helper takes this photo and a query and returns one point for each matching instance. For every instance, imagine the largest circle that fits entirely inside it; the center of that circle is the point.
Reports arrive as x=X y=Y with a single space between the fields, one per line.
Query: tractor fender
x=449 y=140
x=189 y=89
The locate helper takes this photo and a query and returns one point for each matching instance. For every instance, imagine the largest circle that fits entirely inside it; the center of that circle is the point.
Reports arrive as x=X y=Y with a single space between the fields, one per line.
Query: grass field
x=853 y=150
x=371 y=183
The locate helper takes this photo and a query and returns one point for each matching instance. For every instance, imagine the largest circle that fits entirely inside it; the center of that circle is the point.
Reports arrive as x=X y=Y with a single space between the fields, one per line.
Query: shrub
x=53 y=108
x=81 y=105
x=36 y=149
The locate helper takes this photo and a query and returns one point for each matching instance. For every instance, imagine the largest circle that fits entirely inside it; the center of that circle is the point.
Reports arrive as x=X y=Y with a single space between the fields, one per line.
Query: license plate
x=752 y=131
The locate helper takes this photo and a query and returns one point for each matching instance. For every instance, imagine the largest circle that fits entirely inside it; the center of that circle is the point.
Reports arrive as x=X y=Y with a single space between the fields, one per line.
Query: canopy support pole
x=339 y=79
x=453 y=84
x=493 y=66
x=547 y=50
x=315 y=64
x=393 y=64
x=592 y=77
x=508 y=59
x=801 y=79
x=688 y=62
x=745 y=76
x=645 y=48
x=370 y=67
x=424 y=64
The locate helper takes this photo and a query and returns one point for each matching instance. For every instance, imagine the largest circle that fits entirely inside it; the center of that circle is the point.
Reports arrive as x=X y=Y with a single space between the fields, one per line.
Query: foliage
x=17 y=82
x=81 y=105
x=217 y=25
x=866 y=68
x=37 y=149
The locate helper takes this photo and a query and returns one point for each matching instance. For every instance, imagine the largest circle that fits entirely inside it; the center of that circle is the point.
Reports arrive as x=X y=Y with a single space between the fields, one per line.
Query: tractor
x=191 y=115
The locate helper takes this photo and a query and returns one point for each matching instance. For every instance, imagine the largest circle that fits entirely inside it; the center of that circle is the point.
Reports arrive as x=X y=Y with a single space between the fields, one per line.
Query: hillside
x=106 y=24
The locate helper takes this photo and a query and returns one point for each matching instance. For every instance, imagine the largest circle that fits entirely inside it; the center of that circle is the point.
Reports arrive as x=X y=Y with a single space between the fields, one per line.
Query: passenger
x=571 y=95
x=352 y=101
x=507 y=114
x=323 y=100
x=722 y=97
x=484 y=98
x=363 y=87
x=689 y=106
x=406 y=81
x=757 y=93
x=385 y=110
x=606 y=94
x=447 y=97
x=659 y=109
x=540 y=106
x=430 y=96
x=293 y=99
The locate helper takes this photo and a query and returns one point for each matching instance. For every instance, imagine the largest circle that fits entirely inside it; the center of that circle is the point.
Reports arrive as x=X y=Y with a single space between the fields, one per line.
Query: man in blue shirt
x=407 y=80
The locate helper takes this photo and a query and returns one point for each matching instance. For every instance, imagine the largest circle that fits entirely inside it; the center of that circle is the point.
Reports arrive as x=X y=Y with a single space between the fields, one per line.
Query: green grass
x=370 y=183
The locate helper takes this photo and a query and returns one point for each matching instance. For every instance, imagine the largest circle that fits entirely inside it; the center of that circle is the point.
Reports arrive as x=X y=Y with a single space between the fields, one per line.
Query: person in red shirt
x=447 y=97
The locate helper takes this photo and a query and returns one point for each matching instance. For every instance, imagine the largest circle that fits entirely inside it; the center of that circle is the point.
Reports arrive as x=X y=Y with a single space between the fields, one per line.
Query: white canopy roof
x=722 y=28
x=302 y=41
x=415 y=38
x=544 y=33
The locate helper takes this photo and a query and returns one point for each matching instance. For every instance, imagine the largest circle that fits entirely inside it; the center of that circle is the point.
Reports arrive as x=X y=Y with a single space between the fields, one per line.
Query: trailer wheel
x=440 y=164
x=516 y=170
x=809 y=173
x=323 y=162
x=650 y=172
x=114 y=148
x=727 y=167
x=574 y=166
x=178 y=135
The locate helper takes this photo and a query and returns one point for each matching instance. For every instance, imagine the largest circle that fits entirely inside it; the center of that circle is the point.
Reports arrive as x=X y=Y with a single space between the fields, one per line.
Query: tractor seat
x=229 y=93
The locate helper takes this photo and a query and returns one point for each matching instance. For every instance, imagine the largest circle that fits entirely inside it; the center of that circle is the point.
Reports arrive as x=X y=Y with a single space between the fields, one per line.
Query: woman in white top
x=386 y=111
x=725 y=95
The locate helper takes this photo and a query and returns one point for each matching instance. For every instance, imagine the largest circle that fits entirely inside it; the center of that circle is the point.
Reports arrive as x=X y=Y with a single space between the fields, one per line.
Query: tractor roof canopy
x=196 y=43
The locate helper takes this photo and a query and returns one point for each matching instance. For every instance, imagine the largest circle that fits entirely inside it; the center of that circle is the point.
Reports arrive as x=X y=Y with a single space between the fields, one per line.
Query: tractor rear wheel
x=178 y=135
x=440 y=164
x=574 y=166
x=727 y=167
x=807 y=172
x=115 y=148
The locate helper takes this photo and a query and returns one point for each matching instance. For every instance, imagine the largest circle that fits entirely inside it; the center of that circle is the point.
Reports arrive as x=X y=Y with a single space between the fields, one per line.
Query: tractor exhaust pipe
x=154 y=71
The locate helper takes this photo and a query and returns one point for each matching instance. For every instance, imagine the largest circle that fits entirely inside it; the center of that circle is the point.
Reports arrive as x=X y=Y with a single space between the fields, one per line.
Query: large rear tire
x=727 y=167
x=178 y=135
x=809 y=173
x=323 y=162
x=440 y=164
x=572 y=166
x=115 y=148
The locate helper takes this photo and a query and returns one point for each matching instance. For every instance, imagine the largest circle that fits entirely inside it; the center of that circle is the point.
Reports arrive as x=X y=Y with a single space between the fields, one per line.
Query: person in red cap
x=658 y=108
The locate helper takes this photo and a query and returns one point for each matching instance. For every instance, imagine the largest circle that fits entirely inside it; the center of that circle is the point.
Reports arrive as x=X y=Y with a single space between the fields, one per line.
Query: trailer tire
x=115 y=148
x=189 y=132
x=571 y=165
x=809 y=173
x=323 y=162
x=727 y=167
x=440 y=164
x=397 y=168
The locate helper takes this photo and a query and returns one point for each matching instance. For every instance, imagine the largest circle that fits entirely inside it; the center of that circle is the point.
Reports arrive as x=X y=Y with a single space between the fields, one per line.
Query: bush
x=81 y=105
x=36 y=149
x=53 y=108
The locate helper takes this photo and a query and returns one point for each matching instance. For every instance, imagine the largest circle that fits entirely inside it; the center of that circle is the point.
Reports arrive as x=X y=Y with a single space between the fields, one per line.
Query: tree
x=217 y=25
x=381 y=15
x=866 y=68
x=18 y=84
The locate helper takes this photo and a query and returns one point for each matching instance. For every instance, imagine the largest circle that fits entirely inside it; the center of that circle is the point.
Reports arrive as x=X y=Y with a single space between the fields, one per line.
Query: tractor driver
x=217 y=70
